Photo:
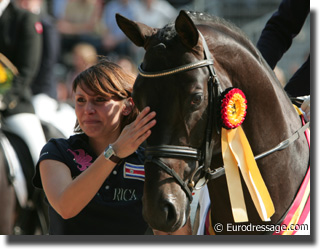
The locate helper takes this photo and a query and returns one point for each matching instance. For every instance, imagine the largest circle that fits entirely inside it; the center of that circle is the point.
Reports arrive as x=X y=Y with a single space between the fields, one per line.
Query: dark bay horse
x=180 y=61
x=16 y=219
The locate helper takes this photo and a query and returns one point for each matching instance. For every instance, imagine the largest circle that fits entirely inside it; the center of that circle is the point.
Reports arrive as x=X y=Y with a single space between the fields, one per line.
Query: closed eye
x=97 y=99
x=101 y=99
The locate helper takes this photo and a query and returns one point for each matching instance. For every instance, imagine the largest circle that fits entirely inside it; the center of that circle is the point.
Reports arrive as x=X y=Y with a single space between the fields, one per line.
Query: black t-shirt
x=116 y=209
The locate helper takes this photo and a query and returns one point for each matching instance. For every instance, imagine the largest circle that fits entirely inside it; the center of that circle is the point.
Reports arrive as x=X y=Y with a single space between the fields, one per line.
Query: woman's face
x=97 y=115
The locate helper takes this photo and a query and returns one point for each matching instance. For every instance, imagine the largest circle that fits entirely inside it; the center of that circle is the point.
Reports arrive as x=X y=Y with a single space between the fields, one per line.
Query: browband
x=179 y=69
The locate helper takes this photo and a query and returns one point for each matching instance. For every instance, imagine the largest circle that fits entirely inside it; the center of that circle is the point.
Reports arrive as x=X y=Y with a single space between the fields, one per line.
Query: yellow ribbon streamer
x=238 y=205
x=236 y=151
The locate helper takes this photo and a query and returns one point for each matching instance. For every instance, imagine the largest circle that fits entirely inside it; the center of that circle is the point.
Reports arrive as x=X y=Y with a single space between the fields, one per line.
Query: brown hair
x=107 y=79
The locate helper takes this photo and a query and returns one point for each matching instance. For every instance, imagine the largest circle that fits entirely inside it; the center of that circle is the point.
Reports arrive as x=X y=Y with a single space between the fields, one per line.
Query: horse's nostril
x=170 y=212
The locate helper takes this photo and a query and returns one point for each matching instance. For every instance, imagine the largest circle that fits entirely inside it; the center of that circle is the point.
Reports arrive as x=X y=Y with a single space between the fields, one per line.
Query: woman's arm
x=69 y=196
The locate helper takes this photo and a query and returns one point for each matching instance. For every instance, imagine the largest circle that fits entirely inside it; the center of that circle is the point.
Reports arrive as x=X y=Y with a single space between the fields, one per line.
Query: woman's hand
x=134 y=134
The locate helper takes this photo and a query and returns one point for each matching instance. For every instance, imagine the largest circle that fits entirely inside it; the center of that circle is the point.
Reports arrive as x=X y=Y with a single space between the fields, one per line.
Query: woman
x=94 y=180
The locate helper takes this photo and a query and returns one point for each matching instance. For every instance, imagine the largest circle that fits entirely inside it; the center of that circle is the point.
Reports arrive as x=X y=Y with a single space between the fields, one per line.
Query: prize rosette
x=233 y=108
x=238 y=159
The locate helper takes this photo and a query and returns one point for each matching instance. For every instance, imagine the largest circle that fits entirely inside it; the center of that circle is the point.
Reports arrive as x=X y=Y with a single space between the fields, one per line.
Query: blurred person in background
x=44 y=86
x=83 y=56
x=114 y=41
x=276 y=38
x=57 y=8
x=21 y=42
x=127 y=64
x=155 y=13
x=44 y=82
x=81 y=22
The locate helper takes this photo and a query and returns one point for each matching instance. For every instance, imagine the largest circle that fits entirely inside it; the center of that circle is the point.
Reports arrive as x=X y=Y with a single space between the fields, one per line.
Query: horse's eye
x=196 y=99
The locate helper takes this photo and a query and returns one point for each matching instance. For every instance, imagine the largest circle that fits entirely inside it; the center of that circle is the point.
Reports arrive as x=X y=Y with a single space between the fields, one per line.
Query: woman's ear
x=128 y=107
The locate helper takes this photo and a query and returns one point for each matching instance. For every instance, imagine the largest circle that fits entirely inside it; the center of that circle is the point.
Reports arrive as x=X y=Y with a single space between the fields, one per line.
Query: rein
x=203 y=155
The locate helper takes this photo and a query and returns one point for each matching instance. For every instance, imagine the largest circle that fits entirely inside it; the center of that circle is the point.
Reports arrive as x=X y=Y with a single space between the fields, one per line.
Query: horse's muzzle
x=165 y=204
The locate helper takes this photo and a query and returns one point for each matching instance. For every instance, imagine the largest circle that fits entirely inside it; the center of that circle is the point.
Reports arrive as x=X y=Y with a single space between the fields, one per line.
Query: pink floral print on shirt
x=81 y=158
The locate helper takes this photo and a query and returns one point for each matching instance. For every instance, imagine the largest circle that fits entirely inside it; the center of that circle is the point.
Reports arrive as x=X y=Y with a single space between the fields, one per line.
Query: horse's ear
x=186 y=29
x=135 y=31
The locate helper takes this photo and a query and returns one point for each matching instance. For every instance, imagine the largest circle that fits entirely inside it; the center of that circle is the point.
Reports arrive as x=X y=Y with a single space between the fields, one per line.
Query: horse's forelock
x=167 y=33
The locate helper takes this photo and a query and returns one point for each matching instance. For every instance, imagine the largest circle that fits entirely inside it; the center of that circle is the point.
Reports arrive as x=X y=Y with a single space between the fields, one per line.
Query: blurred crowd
x=87 y=29
x=77 y=32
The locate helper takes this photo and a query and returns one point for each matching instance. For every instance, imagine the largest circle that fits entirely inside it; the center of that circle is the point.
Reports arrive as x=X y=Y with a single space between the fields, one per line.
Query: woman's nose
x=89 y=108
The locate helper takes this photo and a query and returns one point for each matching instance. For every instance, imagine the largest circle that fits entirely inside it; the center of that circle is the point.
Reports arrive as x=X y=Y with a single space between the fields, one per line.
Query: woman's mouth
x=90 y=122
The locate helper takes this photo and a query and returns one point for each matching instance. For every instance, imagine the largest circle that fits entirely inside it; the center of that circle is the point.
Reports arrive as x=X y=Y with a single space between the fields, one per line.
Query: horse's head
x=174 y=82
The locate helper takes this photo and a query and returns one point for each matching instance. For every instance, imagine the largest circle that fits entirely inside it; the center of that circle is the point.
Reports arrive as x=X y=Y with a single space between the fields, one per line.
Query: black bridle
x=204 y=154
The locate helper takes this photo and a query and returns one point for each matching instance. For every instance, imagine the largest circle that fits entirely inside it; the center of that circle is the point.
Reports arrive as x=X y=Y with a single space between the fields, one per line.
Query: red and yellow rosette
x=233 y=108
x=237 y=154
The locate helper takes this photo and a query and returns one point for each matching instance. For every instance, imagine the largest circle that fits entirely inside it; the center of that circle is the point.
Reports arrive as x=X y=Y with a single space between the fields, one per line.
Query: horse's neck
x=269 y=108
x=270 y=119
